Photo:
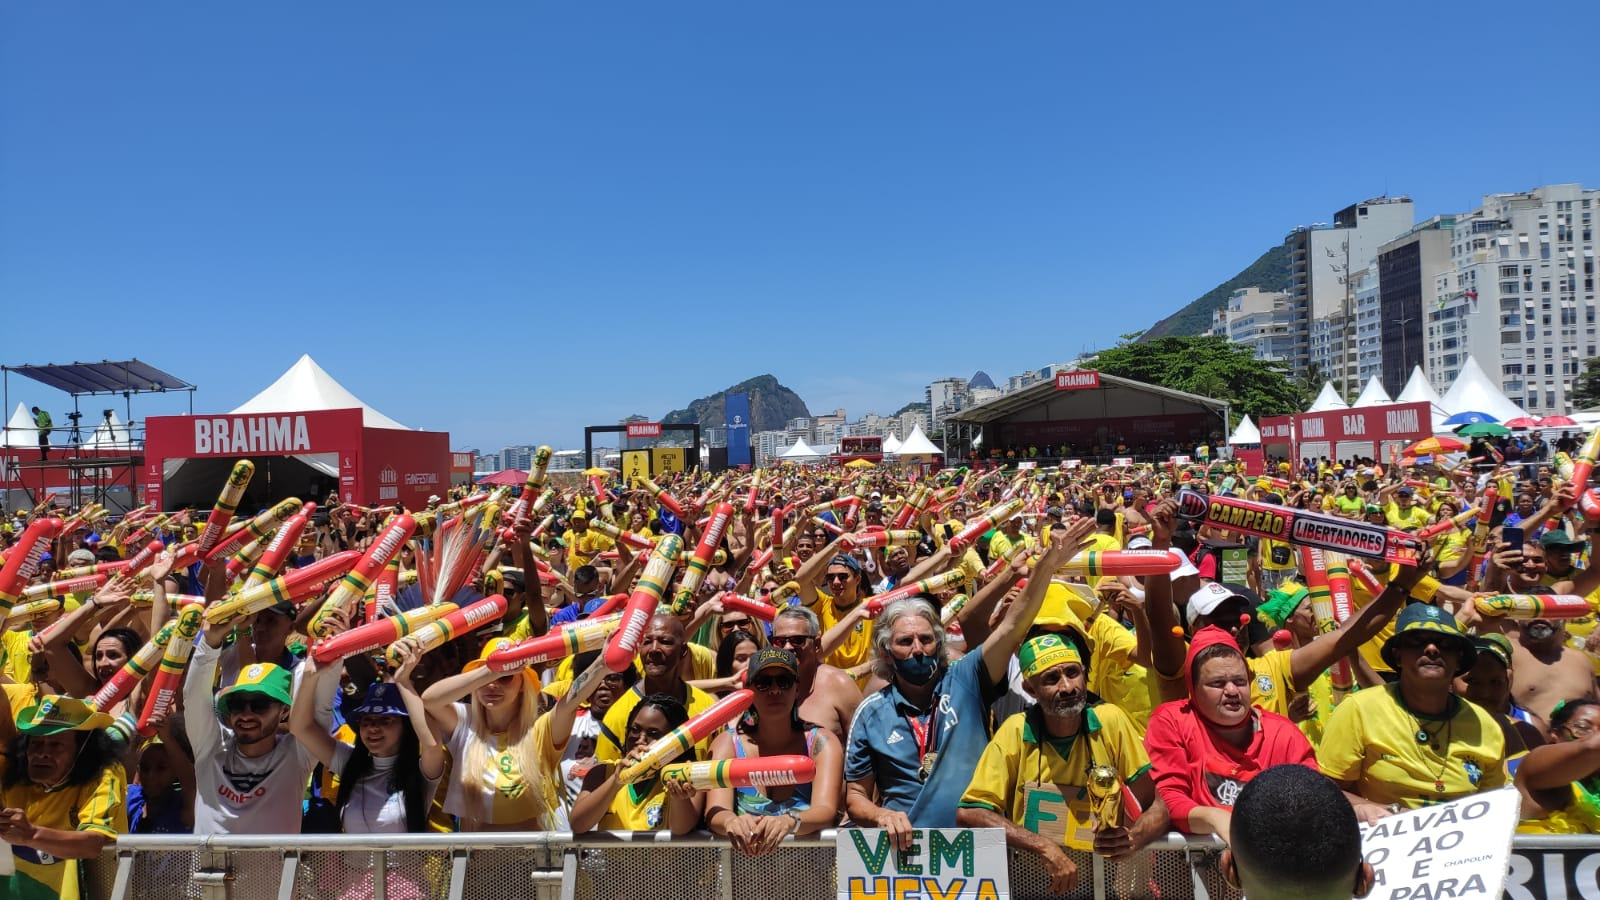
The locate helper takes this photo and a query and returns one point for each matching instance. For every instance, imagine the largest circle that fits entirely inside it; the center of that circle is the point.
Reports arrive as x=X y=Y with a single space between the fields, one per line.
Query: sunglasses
x=731 y=624
x=837 y=576
x=793 y=641
x=774 y=683
x=256 y=704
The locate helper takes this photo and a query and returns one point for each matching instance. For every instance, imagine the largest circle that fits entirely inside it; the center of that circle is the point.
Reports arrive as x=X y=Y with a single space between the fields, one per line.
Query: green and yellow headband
x=1046 y=652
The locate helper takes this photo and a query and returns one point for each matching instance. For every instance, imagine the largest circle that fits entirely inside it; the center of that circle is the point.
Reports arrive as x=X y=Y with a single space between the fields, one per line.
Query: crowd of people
x=946 y=649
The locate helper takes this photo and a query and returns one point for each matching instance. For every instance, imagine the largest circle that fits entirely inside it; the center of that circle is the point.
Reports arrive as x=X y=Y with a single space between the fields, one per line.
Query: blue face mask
x=916 y=669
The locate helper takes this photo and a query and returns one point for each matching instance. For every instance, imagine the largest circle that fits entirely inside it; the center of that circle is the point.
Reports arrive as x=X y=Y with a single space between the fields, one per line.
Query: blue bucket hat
x=383 y=699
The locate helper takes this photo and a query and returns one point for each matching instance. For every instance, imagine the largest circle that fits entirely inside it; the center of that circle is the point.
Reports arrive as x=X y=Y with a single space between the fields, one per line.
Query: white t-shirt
x=373 y=808
x=234 y=793
x=580 y=748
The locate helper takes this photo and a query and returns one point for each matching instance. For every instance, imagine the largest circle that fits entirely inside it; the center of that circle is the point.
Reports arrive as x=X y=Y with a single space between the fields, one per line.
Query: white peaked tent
x=1474 y=391
x=1328 y=399
x=917 y=446
x=111 y=434
x=800 y=450
x=891 y=445
x=1418 y=390
x=307 y=387
x=20 y=430
x=1246 y=433
x=1372 y=395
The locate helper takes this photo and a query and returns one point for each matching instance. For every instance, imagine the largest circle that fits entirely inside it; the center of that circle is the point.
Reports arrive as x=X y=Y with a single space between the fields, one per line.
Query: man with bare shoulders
x=830 y=695
x=1545 y=669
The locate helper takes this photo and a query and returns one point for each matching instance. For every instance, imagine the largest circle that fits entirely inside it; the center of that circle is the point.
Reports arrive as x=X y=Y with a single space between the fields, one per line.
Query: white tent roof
x=1418 y=390
x=917 y=444
x=800 y=450
x=307 y=386
x=1372 y=395
x=1245 y=433
x=891 y=445
x=1328 y=399
x=20 y=430
x=110 y=435
x=1474 y=391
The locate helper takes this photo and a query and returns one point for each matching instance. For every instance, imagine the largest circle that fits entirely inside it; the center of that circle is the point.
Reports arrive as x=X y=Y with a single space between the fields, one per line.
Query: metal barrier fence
x=649 y=866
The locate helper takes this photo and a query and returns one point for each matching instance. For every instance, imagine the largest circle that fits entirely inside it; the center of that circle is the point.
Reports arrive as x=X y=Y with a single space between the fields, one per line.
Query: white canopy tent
x=1328 y=399
x=1246 y=433
x=800 y=452
x=1418 y=390
x=917 y=446
x=1474 y=391
x=1372 y=395
x=891 y=445
x=306 y=386
x=20 y=430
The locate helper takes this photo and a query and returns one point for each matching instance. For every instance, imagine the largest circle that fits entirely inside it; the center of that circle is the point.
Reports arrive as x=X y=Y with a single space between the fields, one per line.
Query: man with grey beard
x=1034 y=779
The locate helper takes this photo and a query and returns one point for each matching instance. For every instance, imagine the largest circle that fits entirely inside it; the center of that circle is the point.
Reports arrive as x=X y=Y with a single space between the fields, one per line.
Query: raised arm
x=303 y=714
x=1065 y=543
x=433 y=755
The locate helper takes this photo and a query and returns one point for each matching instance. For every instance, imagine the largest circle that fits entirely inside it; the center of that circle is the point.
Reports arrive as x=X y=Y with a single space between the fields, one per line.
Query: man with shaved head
x=661 y=651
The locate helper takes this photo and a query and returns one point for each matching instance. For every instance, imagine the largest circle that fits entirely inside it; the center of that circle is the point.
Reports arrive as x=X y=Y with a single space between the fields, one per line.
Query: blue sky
x=511 y=219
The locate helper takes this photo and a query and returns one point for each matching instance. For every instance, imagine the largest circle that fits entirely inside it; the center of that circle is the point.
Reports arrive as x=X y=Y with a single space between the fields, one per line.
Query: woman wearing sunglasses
x=1562 y=778
x=757 y=819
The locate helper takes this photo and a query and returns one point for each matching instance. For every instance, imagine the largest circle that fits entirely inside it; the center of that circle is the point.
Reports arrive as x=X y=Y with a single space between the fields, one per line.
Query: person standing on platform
x=42 y=421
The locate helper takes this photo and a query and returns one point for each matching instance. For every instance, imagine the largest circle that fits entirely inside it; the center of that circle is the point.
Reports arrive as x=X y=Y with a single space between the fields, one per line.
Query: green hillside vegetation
x=1270 y=272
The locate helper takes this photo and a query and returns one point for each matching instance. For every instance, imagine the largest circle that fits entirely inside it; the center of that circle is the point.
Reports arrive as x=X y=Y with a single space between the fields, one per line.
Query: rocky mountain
x=771 y=406
x=1270 y=272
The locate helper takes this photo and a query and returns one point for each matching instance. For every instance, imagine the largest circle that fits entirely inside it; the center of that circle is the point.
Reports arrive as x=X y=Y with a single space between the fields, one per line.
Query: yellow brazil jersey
x=1409 y=519
x=1000 y=545
x=1321 y=691
x=1349 y=507
x=856 y=648
x=1284 y=551
x=18 y=661
x=1038 y=781
x=614 y=729
x=1371 y=739
x=100 y=805
x=583 y=548
x=1114 y=675
x=1371 y=651
x=640 y=806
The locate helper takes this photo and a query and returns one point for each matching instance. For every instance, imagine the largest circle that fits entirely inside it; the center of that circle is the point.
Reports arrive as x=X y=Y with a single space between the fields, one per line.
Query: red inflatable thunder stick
x=1298 y=527
x=994 y=518
x=700 y=562
x=676 y=742
x=1318 y=572
x=661 y=495
x=169 y=677
x=24 y=558
x=750 y=606
x=642 y=603
x=560 y=643
x=380 y=633
x=295 y=586
x=256 y=529
x=764 y=771
x=360 y=577
x=222 y=511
